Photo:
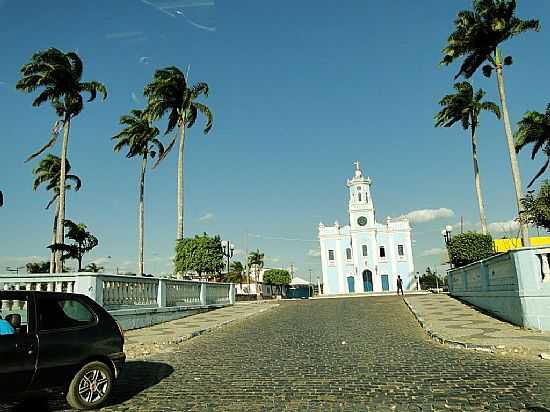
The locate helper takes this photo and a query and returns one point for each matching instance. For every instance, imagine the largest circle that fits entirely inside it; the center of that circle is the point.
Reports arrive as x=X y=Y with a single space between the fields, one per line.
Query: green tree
x=537 y=207
x=141 y=140
x=256 y=261
x=83 y=242
x=59 y=75
x=469 y=247
x=38 y=267
x=277 y=277
x=201 y=254
x=92 y=267
x=465 y=106
x=236 y=271
x=477 y=38
x=48 y=172
x=534 y=128
x=431 y=279
x=169 y=93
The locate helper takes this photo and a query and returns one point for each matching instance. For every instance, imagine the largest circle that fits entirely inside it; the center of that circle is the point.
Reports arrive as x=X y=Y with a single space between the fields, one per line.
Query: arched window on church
x=359 y=196
x=364 y=250
x=348 y=253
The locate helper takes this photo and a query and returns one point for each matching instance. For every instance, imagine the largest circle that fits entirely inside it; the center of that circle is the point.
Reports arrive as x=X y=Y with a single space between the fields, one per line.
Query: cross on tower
x=357 y=166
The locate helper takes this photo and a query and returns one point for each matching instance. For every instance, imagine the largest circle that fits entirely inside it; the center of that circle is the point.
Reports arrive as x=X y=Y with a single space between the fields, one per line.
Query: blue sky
x=299 y=90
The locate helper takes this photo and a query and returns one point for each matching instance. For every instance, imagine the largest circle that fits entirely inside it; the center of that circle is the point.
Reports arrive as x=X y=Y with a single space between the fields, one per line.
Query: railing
x=125 y=292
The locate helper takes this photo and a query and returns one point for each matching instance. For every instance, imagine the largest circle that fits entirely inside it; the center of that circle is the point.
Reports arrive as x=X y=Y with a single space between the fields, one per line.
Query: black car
x=61 y=341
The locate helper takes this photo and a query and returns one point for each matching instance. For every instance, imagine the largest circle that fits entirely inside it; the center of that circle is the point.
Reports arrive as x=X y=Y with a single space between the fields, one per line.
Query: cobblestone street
x=331 y=354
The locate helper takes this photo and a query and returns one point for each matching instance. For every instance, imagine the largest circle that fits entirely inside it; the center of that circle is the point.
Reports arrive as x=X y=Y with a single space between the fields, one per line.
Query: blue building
x=365 y=256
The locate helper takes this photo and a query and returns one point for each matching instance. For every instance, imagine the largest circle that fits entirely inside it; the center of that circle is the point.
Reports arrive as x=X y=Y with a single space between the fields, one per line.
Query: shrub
x=469 y=247
x=277 y=277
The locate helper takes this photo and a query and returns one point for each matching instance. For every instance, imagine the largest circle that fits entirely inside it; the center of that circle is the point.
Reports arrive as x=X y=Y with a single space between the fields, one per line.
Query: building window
x=382 y=251
x=359 y=196
x=364 y=250
x=331 y=255
x=358 y=187
x=400 y=250
x=348 y=254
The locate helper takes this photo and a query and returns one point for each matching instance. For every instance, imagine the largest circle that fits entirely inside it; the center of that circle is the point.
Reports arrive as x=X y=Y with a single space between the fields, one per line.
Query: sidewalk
x=162 y=337
x=449 y=321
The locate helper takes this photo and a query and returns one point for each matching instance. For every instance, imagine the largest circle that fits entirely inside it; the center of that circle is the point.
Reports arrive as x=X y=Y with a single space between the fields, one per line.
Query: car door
x=66 y=331
x=18 y=351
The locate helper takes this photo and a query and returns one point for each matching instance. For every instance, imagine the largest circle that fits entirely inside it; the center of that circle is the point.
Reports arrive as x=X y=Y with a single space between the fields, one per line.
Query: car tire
x=91 y=386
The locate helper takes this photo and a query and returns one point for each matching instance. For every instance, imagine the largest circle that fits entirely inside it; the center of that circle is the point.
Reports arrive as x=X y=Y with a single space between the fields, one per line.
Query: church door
x=367 y=281
x=385 y=282
x=351 y=284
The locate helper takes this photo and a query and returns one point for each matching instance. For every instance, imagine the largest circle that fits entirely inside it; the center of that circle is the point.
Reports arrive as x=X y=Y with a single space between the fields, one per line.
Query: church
x=365 y=256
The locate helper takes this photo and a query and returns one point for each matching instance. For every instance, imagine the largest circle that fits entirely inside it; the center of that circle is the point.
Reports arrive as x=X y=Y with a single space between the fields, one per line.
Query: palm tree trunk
x=141 y=214
x=59 y=238
x=180 y=231
x=54 y=231
x=511 y=147
x=482 y=217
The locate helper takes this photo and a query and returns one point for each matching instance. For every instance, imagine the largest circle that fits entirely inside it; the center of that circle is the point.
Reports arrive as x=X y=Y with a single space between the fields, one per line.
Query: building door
x=385 y=282
x=351 y=284
x=367 y=281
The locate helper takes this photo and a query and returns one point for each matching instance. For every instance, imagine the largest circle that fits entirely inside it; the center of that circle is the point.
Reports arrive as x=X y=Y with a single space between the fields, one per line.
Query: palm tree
x=93 y=267
x=169 y=93
x=256 y=260
x=140 y=139
x=477 y=37
x=235 y=274
x=464 y=106
x=534 y=128
x=83 y=242
x=49 y=171
x=60 y=75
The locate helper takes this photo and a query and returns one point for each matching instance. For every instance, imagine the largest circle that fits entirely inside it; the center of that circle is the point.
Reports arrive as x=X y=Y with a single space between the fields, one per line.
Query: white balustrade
x=124 y=292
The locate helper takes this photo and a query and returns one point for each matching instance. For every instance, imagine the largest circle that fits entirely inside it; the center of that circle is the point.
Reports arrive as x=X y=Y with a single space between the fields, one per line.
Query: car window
x=56 y=313
x=13 y=316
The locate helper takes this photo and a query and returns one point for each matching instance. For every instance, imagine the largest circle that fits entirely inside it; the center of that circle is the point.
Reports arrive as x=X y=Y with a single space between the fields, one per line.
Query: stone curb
x=183 y=338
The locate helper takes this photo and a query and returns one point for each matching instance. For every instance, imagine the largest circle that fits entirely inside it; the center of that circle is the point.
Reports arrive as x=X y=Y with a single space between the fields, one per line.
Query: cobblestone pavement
x=334 y=354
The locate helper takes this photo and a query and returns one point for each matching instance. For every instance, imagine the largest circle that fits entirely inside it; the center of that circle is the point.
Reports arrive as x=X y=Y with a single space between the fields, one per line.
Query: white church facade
x=365 y=256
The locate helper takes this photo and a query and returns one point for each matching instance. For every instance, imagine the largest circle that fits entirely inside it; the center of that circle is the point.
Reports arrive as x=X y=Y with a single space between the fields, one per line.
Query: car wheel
x=91 y=386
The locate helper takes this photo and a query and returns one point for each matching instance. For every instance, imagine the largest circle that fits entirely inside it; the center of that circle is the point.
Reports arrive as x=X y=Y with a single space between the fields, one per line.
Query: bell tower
x=361 y=207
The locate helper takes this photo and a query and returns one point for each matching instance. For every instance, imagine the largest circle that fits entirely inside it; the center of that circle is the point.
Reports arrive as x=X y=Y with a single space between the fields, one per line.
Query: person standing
x=399 y=285
x=5 y=327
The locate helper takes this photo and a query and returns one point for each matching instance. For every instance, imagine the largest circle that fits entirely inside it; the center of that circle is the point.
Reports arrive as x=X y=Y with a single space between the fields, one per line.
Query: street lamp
x=228 y=249
x=447 y=234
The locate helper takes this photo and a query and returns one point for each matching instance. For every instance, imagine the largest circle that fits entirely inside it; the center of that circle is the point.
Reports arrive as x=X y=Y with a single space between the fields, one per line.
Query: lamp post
x=447 y=235
x=228 y=249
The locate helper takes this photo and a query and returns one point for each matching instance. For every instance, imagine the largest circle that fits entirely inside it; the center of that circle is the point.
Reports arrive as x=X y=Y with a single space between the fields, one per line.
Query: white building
x=365 y=256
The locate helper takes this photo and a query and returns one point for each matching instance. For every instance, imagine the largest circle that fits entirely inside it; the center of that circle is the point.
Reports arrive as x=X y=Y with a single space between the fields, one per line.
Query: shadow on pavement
x=136 y=377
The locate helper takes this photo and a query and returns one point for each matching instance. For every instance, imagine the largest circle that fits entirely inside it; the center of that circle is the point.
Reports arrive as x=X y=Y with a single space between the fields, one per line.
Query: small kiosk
x=299 y=289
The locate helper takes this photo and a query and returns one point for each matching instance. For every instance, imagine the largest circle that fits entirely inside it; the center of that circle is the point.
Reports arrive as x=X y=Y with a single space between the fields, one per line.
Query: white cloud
x=434 y=252
x=207 y=217
x=508 y=227
x=135 y=98
x=145 y=60
x=314 y=252
x=123 y=35
x=275 y=260
x=427 y=215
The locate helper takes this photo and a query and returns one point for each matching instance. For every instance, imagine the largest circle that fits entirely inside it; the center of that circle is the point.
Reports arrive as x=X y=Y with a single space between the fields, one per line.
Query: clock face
x=362 y=221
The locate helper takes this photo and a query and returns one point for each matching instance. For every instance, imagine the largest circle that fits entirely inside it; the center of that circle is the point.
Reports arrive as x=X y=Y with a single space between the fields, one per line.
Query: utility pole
x=246 y=258
x=461 y=224
x=291 y=270
x=310 y=276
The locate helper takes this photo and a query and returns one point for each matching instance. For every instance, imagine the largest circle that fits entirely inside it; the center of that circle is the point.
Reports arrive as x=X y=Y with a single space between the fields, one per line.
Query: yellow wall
x=504 y=245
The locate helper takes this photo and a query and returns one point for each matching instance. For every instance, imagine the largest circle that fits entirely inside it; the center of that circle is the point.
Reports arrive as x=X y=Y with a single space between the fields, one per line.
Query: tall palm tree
x=534 y=128
x=59 y=75
x=256 y=260
x=49 y=172
x=477 y=37
x=141 y=140
x=465 y=106
x=169 y=93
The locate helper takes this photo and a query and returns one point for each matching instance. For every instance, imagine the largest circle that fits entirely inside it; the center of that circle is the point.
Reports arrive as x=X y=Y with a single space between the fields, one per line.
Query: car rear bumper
x=118 y=360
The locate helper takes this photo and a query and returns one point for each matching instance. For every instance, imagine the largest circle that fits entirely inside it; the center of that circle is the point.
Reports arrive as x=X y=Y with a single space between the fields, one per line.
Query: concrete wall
x=514 y=286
